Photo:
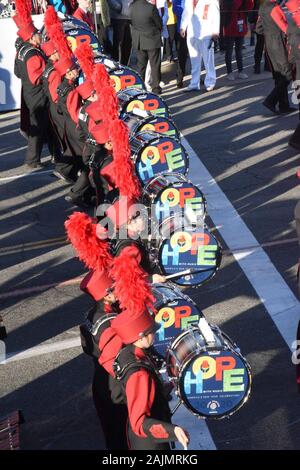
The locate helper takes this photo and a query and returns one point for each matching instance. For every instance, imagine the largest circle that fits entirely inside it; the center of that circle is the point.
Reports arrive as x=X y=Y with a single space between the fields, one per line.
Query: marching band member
x=97 y=320
x=149 y=426
x=30 y=64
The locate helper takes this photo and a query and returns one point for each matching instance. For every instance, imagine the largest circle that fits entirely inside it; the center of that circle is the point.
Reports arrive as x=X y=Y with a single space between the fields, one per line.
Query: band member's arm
x=74 y=103
x=35 y=67
x=54 y=81
x=140 y=394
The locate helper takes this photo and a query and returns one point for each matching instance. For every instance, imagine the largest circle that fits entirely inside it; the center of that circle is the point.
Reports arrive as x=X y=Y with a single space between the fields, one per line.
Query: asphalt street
x=244 y=148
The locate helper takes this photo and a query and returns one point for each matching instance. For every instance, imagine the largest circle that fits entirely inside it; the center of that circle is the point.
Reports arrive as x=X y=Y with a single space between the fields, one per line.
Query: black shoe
x=77 y=201
x=179 y=84
x=59 y=175
x=256 y=69
x=270 y=107
x=287 y=110
x=157 y=91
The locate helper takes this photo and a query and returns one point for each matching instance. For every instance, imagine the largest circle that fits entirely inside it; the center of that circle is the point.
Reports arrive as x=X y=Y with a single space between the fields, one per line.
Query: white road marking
x=278 y=299
x=41 y=349
x=23 y=175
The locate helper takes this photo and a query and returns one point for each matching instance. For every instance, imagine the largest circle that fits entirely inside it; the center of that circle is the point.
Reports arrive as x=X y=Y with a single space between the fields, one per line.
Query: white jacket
x=204 y=21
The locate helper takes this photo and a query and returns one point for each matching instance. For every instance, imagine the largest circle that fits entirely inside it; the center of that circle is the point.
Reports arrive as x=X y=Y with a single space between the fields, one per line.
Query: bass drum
x=213 y=379
x=149 y=122
x=132 y=98
x=184 y=247
x=172 y=194
x=154 y=154
x=77 y=31
x=174 y=312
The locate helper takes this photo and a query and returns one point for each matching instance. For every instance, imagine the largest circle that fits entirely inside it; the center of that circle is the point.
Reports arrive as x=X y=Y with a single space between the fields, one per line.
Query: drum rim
x=153 y=117
x=167 y=110
x=227 y=414
x=217 y=267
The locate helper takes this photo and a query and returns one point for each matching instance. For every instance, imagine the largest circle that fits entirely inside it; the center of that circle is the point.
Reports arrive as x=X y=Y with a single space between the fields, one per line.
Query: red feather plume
x=131 y=286
x=23 y=10
x=123 y=167
x=82 y=233
x=58 y=37
x=100 y=77
x=50 y=18
x=85 y=56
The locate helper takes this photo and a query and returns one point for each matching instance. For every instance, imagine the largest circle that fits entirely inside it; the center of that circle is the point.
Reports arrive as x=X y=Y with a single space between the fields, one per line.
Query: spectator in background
x=146 y=40
x=234 y=30
x=103 y=22
x=200 y=23
x=181 y=44
x=162 y=8
x=171 y=25
x=120 y=22
x=83 y=13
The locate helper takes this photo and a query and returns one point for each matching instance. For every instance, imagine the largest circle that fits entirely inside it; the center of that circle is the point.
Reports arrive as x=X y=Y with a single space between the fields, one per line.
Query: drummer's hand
x=157 y=278
x=182 y=436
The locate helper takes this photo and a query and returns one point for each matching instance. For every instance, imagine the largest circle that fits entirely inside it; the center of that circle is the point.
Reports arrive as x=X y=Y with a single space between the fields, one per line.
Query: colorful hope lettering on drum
x=76 y=37
x=178 y=318
x=193 y=249
x=160 y=126
x=173 y=320
x=153 y=105
x=124 y=79
x=184 y=198
x=215 y=385
x=164 y=156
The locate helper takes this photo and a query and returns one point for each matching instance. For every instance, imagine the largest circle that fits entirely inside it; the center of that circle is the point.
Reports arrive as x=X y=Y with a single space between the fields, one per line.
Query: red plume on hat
x=23 y=19
x=108 y=101
x=50 y=18
x=100 y=76
x=131 y=286
x=23 y=12
x=56 y=34
x=82 y=233
x=124 y=173
x=85 y=56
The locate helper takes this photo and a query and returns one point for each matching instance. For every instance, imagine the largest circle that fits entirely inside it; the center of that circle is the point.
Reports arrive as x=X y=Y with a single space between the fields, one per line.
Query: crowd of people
x=83 y=130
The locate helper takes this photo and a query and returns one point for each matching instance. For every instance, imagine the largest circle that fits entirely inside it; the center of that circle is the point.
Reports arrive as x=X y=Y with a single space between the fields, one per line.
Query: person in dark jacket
x=146 y=39
x=277 y=53
x=120 y=22
x=181 y=44
x=235 y=29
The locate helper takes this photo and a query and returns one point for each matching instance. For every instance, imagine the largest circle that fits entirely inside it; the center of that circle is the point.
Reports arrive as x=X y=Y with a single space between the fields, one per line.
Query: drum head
x=125 y=77
x=215 y=383
x=190 y=248
x=159 y=154
x=180 y=198
x=174 y=316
